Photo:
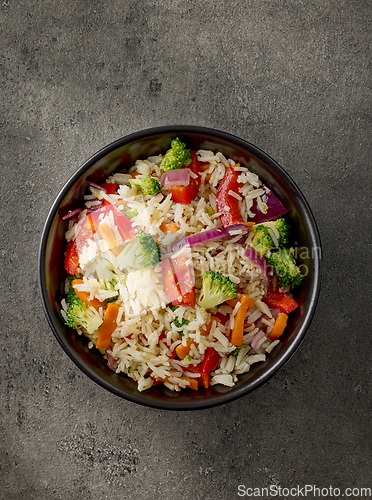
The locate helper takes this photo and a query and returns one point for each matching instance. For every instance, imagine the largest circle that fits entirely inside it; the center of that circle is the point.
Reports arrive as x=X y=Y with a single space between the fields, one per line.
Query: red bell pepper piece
x=75 y=247
x=223 y=318
x=72 y=257
x=157 y=381
x=232 y=215
x=184 y=281
x=122 y=222
x=210 y=361
x=86 y=233
x=185 y=194
x=204 y=379
x=124 y=225
x=163 y=336
x=285 y=302
x=169 y=281
x=187 y=300
x=178 y=282
x=111 y=187
x=209 y=364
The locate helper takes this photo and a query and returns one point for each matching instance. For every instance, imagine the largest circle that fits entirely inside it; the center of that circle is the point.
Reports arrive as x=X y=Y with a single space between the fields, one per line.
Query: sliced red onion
x=71 y=214
x=97 y=186
x=256 y=344
x=177 y=177
x=112 y=363
x=275 y=207
x=258 y=261
x=259 y=323
x=275 y=311
x=95 y=208
x=216 y=233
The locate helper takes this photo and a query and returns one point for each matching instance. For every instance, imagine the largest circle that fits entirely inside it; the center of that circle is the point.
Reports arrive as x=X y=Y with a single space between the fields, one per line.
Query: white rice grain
x=223 y=380
x=235 y=195
x=271 y=346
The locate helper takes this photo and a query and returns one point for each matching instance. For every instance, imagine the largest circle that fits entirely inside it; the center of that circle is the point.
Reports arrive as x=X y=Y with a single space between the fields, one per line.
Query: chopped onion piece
x=275 y=311
x=275 y=208
x=216 y=233
x=112 y=363
x=96 y=186
x=258 y=261
x=71 y=214
x=177 y=177
x=256 y=344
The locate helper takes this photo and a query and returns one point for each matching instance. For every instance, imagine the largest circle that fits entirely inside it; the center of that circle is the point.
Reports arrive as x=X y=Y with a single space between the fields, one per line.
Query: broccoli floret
x=140 y=253
x=71 y=296
x=128 y=212
x=80 y=315
x=177 y=324
x=284 y=264
x=284 y=230
x=176 y=157
x=113 y=284
x=148 y=185
x=216 y=288
x=237 y=350
x=261 y=240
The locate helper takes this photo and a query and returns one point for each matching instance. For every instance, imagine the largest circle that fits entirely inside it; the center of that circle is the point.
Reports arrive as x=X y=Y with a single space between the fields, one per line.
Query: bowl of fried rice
x=179 y=267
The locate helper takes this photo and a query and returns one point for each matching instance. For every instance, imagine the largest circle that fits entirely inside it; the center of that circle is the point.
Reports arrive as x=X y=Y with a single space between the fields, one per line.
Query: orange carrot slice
x=193 y=383
x=232 y=302
x=84 y=296
x=168 y=227
x=207 y=329
x=246 y=303
x=183 y=350
x=279 y=326
x=108 y=326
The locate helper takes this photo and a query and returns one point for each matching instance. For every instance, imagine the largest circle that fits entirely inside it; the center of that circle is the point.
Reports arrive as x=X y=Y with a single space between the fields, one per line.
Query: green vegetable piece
x=177 y=324
x=148 y=185
x=237 y=350
x=176 y=157
x=113 y=284
x=216 y=289
x=140 y=253
x=261 y=240
x=284 y=230
x=128 y=212
x=80 y=315
x=284 y=265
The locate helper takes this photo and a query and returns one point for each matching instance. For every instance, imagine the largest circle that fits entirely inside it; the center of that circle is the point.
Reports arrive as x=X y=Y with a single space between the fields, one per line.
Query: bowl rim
x=238 y=392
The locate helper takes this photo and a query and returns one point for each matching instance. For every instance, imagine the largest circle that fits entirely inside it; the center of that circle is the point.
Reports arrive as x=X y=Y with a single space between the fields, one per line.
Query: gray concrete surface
x=293 y=78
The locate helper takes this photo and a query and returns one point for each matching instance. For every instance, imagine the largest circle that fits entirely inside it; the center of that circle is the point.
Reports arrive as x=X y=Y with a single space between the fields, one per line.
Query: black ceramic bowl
x=123 y=153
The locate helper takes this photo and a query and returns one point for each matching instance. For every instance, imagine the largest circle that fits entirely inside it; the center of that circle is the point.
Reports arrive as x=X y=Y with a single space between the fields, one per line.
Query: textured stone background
x=293 y=78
